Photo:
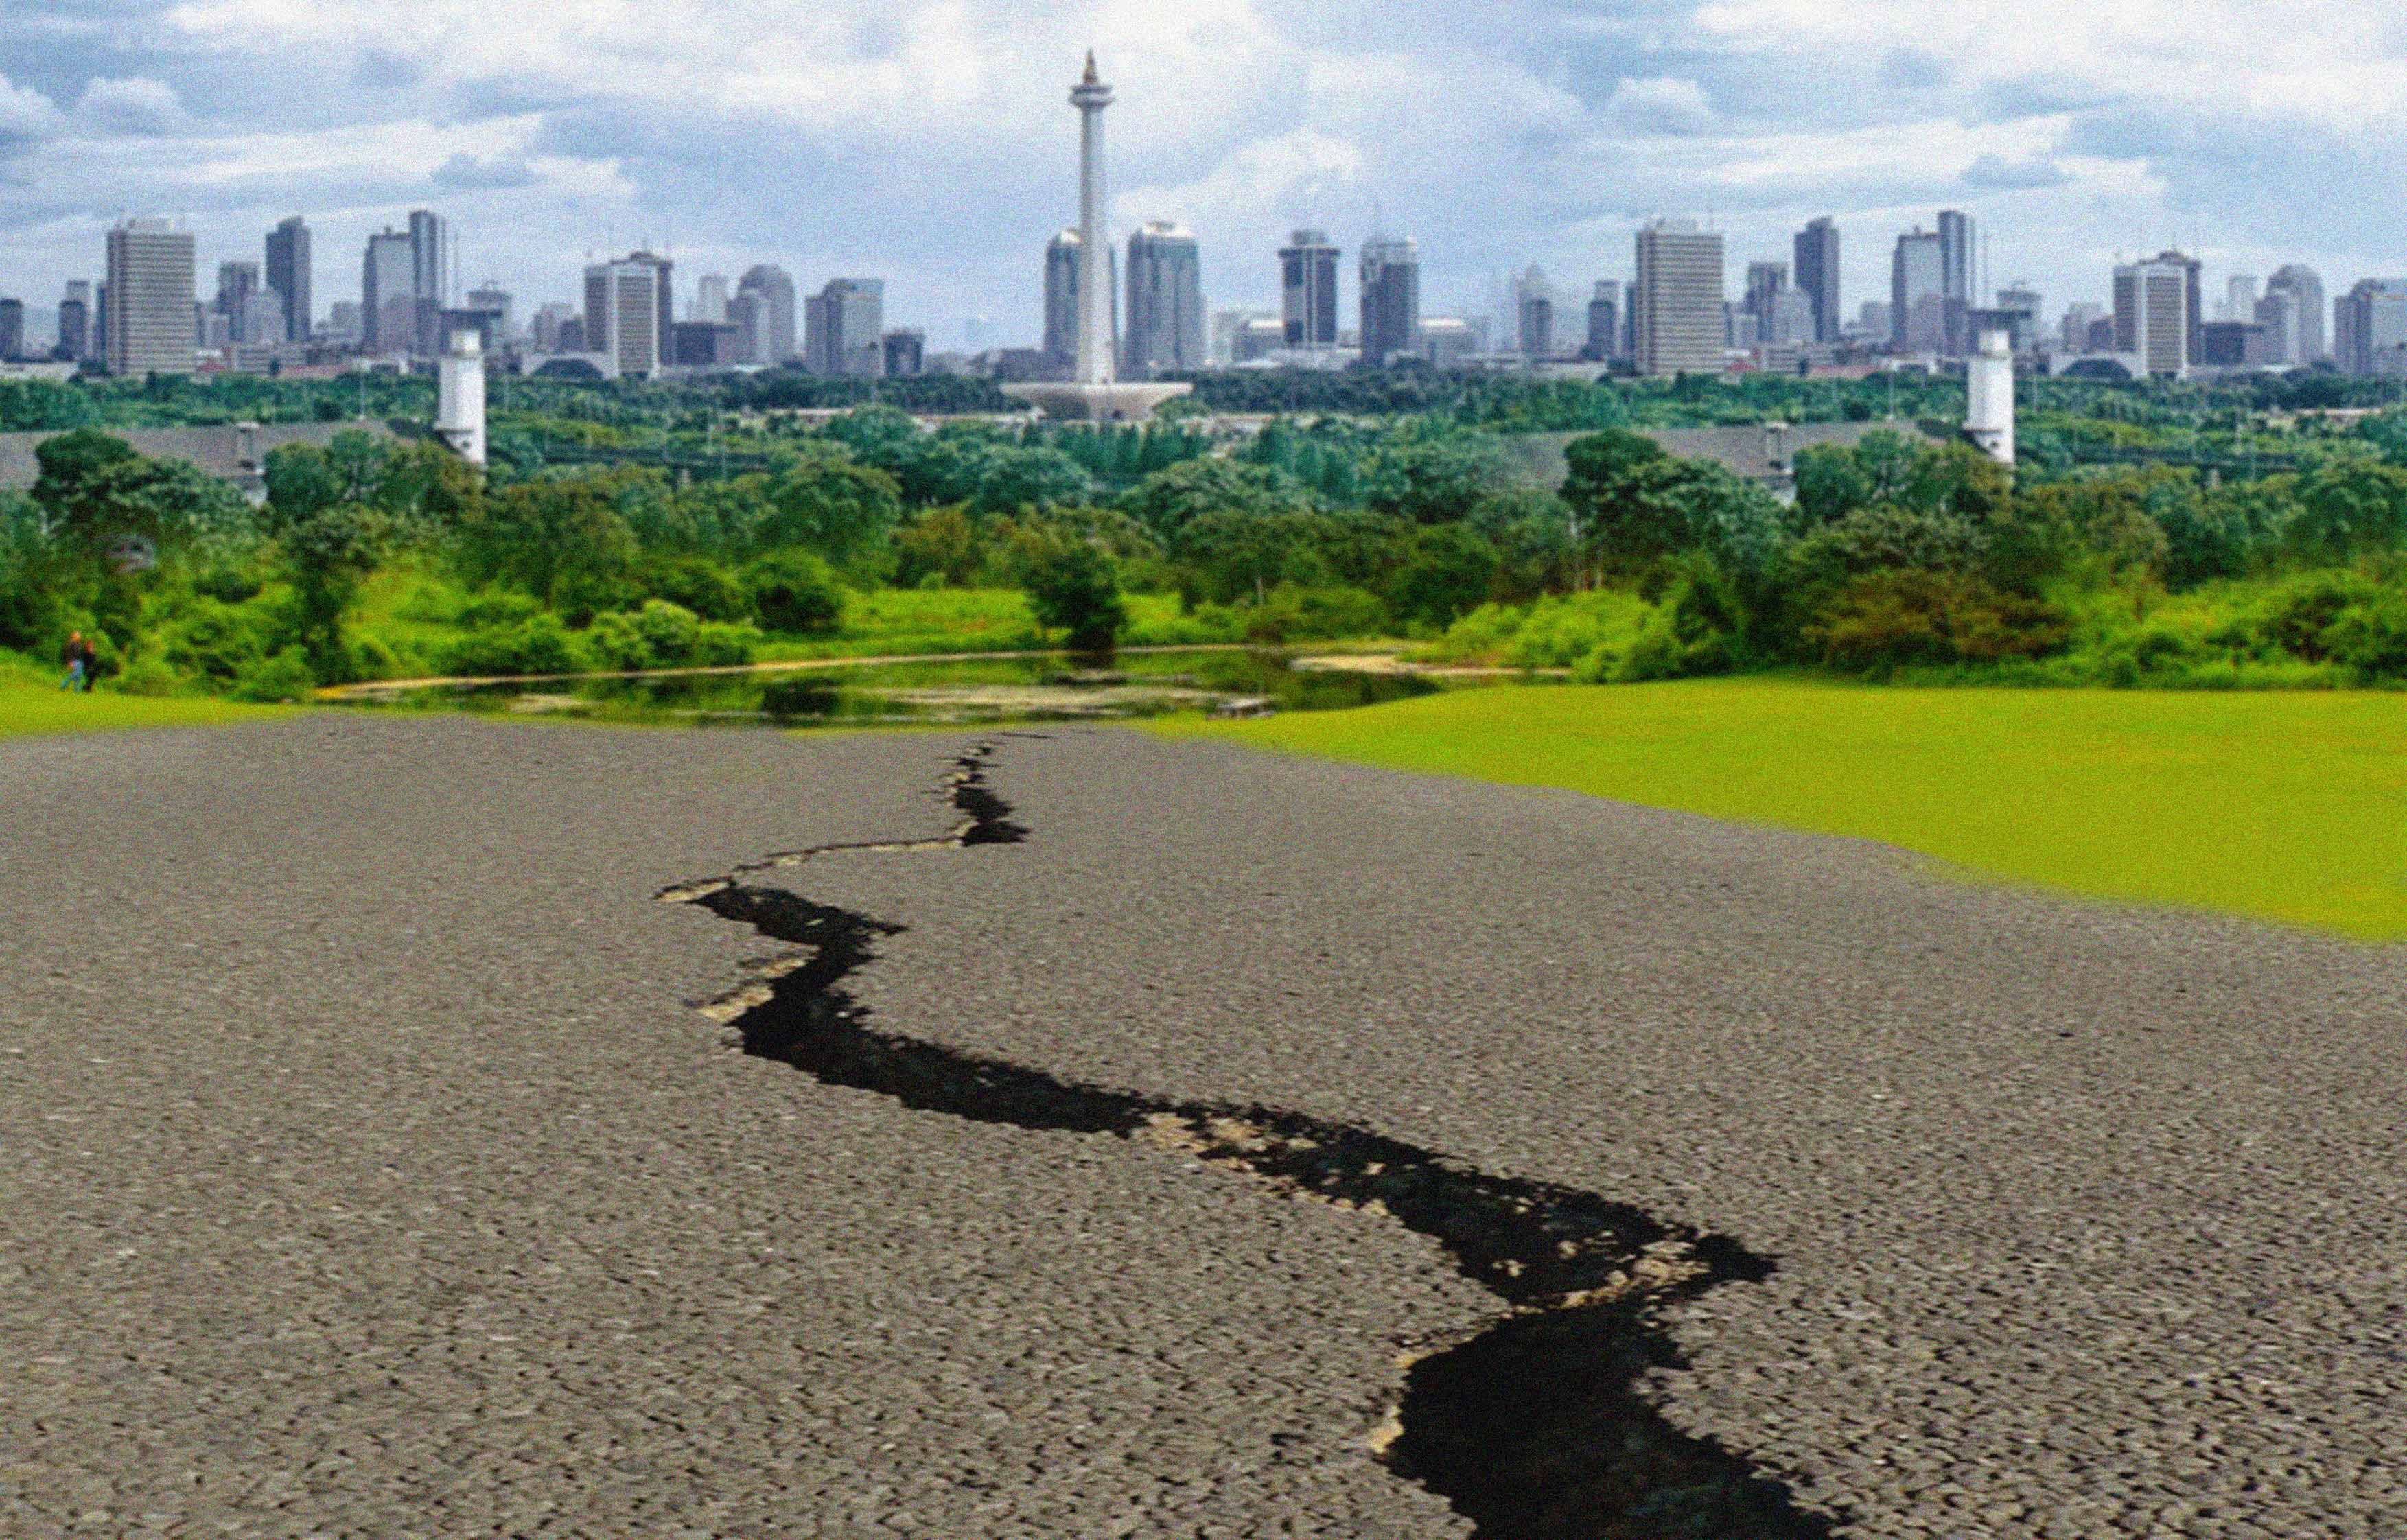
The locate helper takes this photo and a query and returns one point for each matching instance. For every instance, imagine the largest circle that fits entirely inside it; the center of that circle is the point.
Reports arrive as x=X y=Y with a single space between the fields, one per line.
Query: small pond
x=988 y=690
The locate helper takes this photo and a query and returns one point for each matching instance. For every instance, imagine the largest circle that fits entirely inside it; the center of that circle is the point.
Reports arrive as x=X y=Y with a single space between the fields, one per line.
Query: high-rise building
x=2240 y=297
x=1676 y=302
x=236 y=282
x=1957 y=235
x=150 y=299
x=2277 y=312
x=491 y=300
x=1062 y=261
x=622 y=316
x=2017 y=311
x=1391 y=296
x=430 y=275
x=2152 y=320
x=389 y=294
x=1766 y=281
x=1308 y=290
x=1817 y=250
x=1164 y=325
x=2370 y=328
x=775 y=323
x=843 y=328
x=2191 y=295
x=75 y=322
x=663 y=273
x=748 y=314
x=906 y=354
x=1917 y=293
x=1604 y=321
x=12 y=329
x=2306 y=291
x=1534 y=314
x=289 y=275
x=710 y=298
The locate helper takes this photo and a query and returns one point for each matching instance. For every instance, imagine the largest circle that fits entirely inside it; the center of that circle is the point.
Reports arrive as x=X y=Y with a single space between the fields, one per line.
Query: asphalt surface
x=368 y=1171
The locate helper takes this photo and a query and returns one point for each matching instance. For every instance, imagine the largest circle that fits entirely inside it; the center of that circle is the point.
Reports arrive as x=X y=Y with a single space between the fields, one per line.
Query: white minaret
x=459 y=396
x=1989 y=398
x=1091 y=96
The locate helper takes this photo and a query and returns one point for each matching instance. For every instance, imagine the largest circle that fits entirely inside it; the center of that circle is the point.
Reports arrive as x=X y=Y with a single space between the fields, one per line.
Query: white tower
x=1091 y=96
x=1096 y=393
x=1989 y=398
x=459 y=396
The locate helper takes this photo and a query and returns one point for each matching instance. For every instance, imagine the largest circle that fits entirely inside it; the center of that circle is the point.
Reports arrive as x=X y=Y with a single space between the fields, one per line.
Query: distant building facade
x=2152 y=319
x=1163 y=331
x=623 y=317
x=1676 y=300
x=1390 y=289
x=844 y=329
x=150 y=299
x=2370 y=329
x=774 y=327
x=289 y=273
x=1816 y=250
x=1308 y=290
x=1917 y=293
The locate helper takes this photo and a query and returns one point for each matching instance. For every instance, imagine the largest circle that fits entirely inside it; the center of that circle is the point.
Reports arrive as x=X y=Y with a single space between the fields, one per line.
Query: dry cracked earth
x=438 y=1127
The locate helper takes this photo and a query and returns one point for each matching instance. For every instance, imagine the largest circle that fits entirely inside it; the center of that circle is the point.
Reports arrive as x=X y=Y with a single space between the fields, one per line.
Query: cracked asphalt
x=365 y=1170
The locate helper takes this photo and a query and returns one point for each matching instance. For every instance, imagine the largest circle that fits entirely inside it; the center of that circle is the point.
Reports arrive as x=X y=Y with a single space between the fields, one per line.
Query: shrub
x=2370 y=635
x=697 y=583
x=2298 y=616
x=1290 y=612
x=1889 y=619
x=794 y=592
x=717 y=644
x=536 y=644
x=659 y=636
x=284 y=677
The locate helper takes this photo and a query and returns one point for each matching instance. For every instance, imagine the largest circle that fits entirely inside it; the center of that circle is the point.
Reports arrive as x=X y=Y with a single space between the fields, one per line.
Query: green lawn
x=2283 y=806
x=43 y=709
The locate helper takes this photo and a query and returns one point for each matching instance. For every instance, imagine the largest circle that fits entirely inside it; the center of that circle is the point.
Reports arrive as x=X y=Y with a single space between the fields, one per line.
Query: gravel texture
x=370 y=1172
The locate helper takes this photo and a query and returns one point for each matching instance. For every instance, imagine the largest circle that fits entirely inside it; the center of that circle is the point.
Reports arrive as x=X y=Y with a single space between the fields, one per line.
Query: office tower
x=75 y=322
x=2191 y=292
x=2152 y=322
x=1390 y=298
x=343 y=323
x=748 y=313
x=663 y=275
x=906 y=354
x=1448 y=340
x=490 y=303
x=2277 y=312
x=259 y=320
x=1308 y=290
x=710 y=298
x=543 y=328
x=236 y=282
x=1817 y=250
x=2240 y=297
x=2370 y=328
x=150 y=299
x=1957 y=234
x=12 y=329
x=289 y=275
x=1873 y=321
x=2075 y=334
x=622 y=316
x=1604 y=321
x=1766 y=281
x=1164 y=321
x=1917 y=293
x=843 y=327
x=389 y=294
x=1676 y=301
x=1534 y=314
x=1787 y=318
x=430 y=275
x=2306 y=291
x=2017 y=308
x=1062 y=264
x=777 y=291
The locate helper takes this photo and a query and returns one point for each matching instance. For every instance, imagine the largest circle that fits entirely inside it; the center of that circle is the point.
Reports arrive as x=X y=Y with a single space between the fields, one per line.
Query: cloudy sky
x=929 y=142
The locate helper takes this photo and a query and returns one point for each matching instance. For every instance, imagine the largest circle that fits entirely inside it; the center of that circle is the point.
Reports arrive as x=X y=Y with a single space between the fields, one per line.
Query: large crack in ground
x=1533 y=1427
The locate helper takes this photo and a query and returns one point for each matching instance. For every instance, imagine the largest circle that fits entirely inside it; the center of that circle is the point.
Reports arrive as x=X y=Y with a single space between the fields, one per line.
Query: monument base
x=1119 y=402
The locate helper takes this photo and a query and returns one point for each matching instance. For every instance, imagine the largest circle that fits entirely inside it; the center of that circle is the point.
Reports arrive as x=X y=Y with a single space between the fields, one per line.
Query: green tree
x=832 y=505
x=1169 y=500
x=1071 y=588
x=1447 y=571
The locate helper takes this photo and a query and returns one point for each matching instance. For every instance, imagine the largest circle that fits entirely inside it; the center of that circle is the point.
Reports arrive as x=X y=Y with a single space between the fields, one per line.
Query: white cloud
x=1662 y=105
x=131 y=106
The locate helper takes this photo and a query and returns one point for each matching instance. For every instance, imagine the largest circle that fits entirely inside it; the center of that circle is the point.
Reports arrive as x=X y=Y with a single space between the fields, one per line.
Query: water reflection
x=993 y=690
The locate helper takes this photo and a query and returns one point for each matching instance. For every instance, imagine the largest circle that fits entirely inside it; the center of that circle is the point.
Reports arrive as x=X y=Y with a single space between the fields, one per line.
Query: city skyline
x=1567 y=133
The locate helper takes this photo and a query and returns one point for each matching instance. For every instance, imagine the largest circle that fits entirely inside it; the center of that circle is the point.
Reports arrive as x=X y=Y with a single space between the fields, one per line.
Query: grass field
x=2285 y=807
x=44 y=709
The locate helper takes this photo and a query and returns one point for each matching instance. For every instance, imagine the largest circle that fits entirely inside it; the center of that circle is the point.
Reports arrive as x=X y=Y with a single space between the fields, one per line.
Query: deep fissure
x=1532 y=1426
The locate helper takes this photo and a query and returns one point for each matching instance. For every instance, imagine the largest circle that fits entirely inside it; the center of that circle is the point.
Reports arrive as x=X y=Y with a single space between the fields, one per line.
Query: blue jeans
x=76 y=678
